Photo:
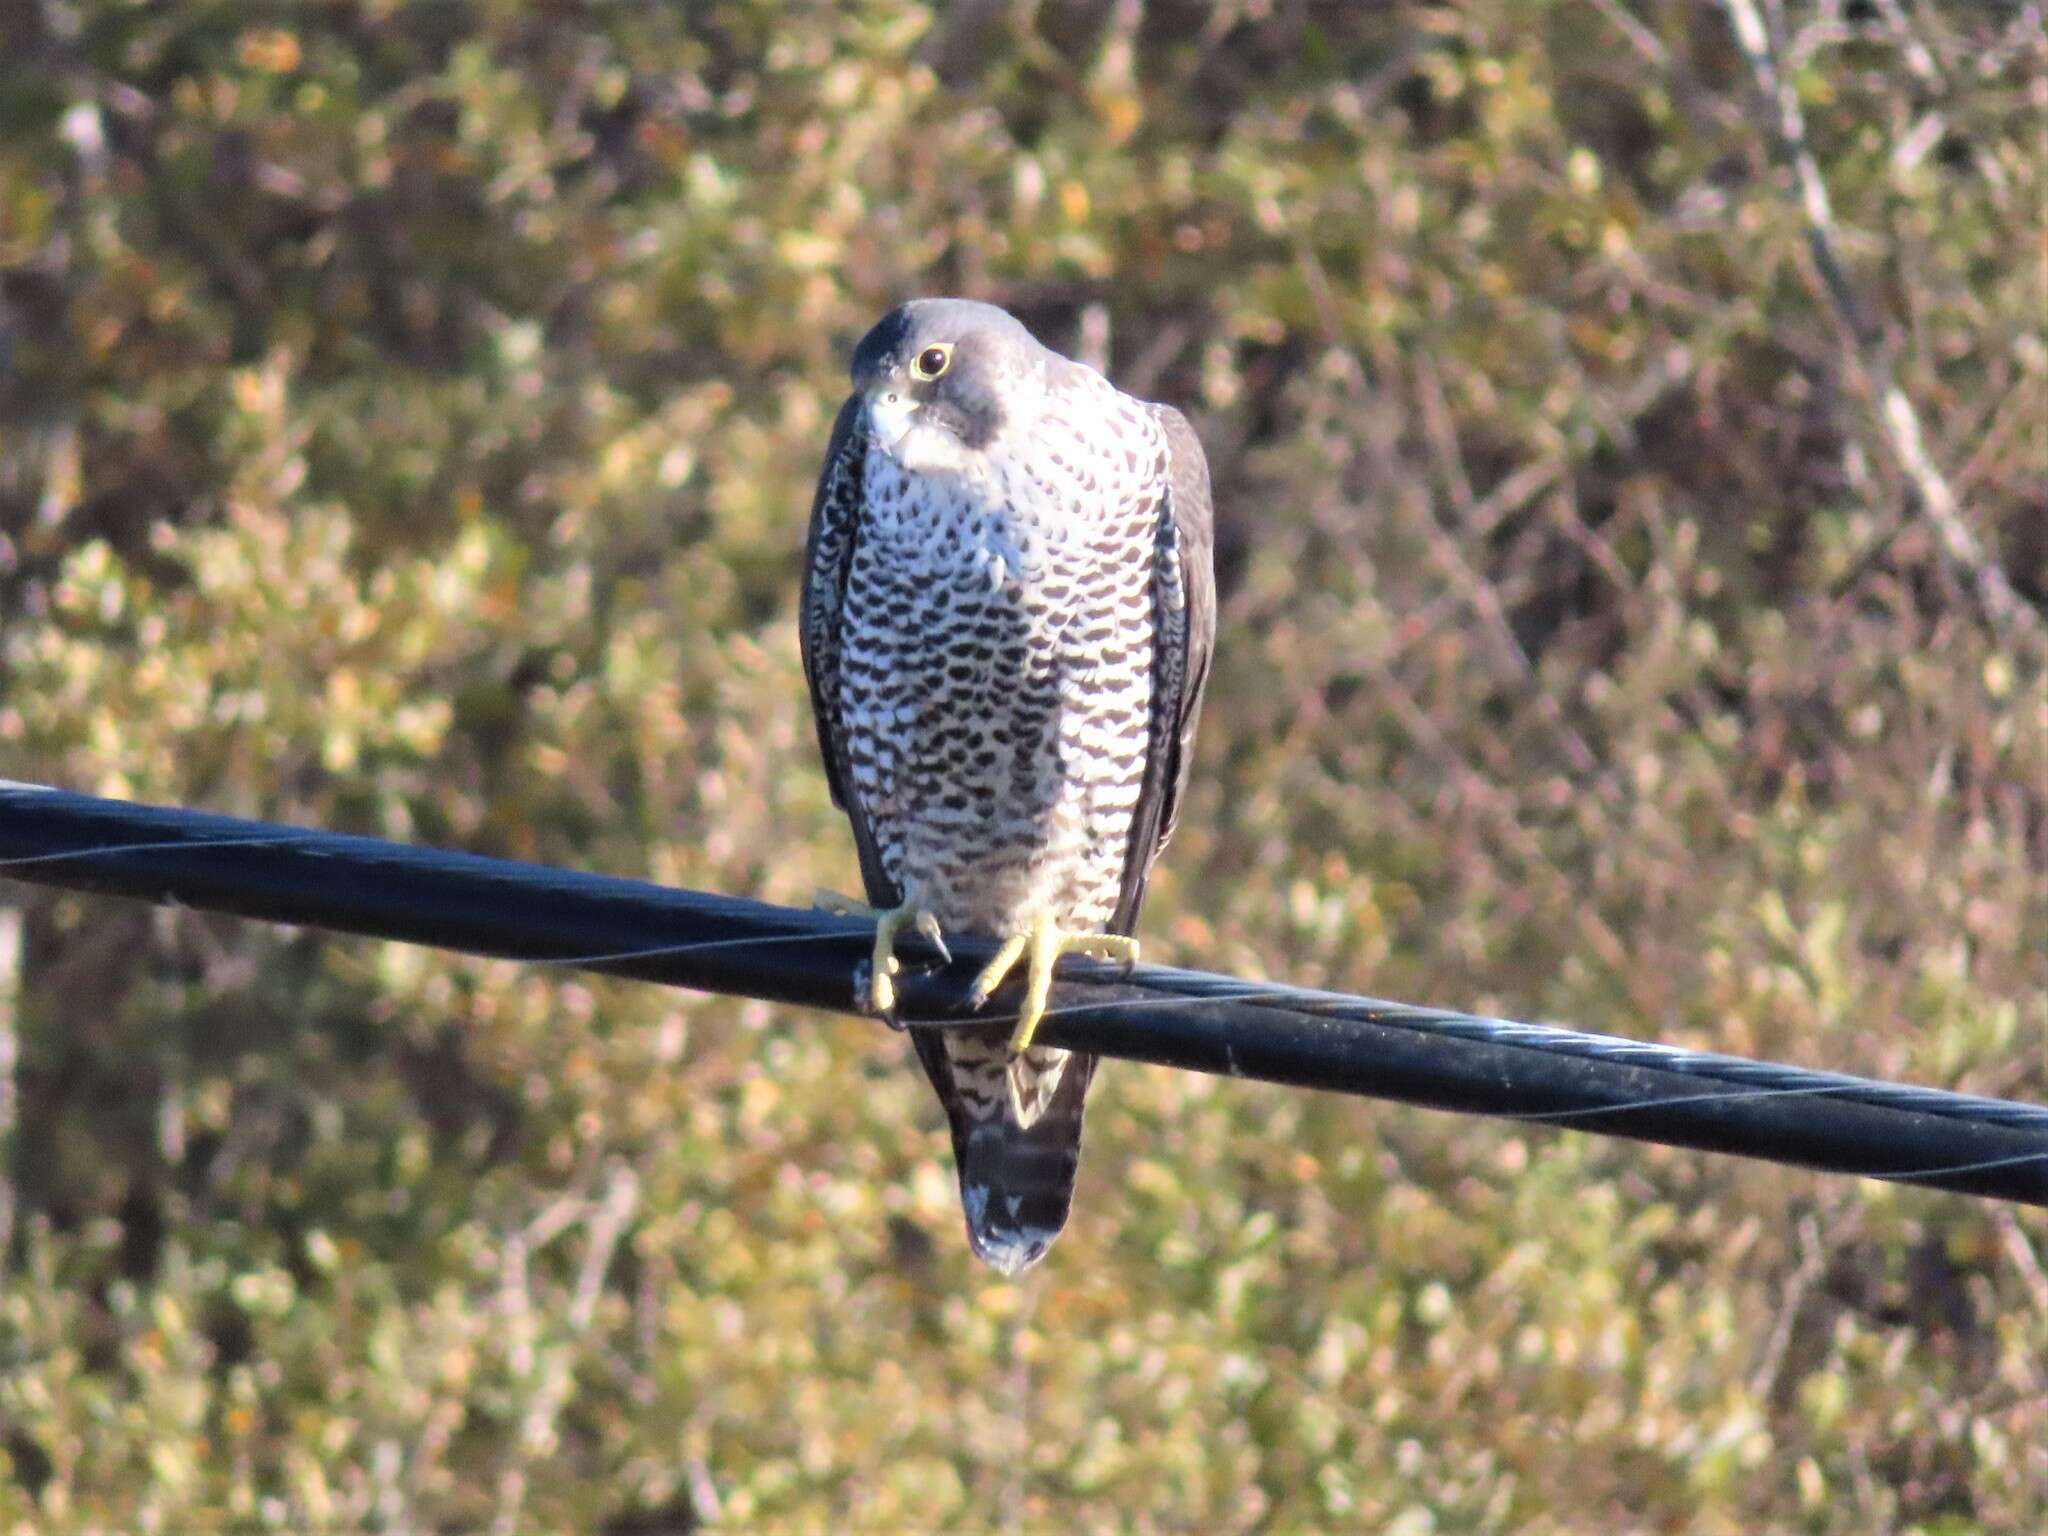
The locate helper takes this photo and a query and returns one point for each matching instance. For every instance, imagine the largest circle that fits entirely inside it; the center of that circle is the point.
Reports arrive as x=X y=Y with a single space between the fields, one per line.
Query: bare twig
x=2020 y=1253
x=1812 y=1263
x=1915 y=52
x=548 y=1365
x=703 y=1491
x=515 y=1307
x=607 y=1224
x=1897 y=421
x=1639 y=36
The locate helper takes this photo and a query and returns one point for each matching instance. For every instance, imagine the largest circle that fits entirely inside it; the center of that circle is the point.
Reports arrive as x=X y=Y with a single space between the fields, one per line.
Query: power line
x=1189 y=1019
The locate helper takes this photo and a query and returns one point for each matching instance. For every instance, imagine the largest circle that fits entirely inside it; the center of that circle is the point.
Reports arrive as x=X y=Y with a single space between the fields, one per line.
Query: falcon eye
x=931 y=362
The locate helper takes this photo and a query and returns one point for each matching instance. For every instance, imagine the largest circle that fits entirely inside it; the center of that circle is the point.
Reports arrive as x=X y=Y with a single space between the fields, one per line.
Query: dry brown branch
x=1897 y=421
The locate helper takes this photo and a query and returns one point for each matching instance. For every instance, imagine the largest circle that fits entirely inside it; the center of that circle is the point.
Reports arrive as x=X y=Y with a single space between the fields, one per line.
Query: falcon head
x=942 y=378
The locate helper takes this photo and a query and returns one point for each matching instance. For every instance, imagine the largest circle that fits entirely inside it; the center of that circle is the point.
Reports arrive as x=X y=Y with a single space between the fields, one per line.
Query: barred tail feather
x=1016 y=1176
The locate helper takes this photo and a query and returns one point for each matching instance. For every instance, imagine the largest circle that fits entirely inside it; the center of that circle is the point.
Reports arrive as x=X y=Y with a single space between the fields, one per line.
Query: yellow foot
x=1046 y=941
x=881 y=990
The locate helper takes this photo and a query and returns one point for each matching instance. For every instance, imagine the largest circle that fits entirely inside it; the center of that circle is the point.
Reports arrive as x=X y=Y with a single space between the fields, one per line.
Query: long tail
x=1016 y=1170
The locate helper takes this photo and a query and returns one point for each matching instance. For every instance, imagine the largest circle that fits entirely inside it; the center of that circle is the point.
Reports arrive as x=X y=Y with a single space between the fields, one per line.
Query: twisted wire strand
x=1195 y=1019
x=1768 y=1076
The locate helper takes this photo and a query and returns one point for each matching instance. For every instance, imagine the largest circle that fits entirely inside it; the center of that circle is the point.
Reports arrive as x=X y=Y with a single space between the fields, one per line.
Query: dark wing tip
x=1182 y=667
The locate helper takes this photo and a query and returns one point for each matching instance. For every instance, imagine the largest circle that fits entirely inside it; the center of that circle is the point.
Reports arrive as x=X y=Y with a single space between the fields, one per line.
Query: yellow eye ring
x=932 y=361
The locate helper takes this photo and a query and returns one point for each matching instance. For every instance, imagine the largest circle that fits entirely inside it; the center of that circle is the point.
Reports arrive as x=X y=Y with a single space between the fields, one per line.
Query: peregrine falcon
x=1007 y=616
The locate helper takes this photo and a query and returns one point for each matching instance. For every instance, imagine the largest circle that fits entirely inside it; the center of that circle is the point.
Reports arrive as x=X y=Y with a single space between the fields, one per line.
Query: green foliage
x=409 y=417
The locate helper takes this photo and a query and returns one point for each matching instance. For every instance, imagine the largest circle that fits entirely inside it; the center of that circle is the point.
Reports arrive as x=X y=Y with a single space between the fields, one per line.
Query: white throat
x=920 y=448
x=925 y=450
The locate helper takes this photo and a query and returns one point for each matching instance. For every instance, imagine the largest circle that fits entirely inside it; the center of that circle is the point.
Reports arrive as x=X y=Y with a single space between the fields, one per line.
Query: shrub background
x=409 y=419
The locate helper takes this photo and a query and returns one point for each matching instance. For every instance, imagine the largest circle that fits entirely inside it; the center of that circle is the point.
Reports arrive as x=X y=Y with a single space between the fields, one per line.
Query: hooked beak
x=890 y=413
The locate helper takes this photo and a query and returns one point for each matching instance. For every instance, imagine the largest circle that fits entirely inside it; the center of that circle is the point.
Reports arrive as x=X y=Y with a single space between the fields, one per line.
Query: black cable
x=1178 y=1018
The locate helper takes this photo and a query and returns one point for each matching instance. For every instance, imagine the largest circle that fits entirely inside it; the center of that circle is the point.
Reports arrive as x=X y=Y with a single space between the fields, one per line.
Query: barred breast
x=996 y=668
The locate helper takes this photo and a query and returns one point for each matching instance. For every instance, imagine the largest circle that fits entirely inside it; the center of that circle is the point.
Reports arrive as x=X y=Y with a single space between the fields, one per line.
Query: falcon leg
x=1045 y=941
x=881 y=990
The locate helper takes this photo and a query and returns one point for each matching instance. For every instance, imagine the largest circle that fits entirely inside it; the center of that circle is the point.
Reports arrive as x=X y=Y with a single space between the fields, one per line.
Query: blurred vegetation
x=409 y=415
